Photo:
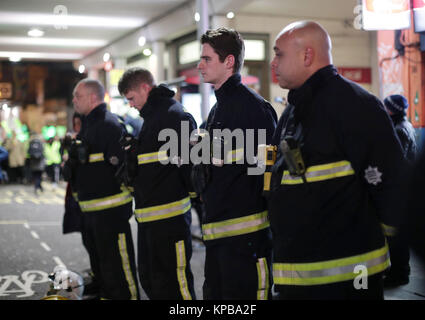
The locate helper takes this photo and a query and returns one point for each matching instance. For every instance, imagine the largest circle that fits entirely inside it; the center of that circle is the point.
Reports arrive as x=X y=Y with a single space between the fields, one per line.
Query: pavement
x=33 y=244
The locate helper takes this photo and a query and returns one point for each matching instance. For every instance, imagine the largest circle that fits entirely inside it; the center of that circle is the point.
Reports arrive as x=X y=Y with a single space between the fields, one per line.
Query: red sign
x=419 y=15
x=359 y=75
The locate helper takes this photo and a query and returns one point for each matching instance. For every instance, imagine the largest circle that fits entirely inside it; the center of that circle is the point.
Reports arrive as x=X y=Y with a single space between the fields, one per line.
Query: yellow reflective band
x=181 y=270
x=235 y=227
x=389 y=231
x=320 y=173
x=152 y=157
x=317 y=273
x=163 y=211
x=122 y=245
x=193 y=195
x=75 y=196
x=235 y=155
x=96 y=157
x=263 y=279
x=106 y=203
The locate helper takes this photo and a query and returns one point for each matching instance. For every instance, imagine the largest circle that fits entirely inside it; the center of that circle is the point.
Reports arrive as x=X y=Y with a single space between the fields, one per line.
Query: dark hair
x=134 y=77
x=226 y=42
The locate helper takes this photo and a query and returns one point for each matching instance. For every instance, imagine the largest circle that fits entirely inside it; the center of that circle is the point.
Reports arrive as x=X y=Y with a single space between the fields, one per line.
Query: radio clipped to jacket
x=291 y=152
x=266 y=156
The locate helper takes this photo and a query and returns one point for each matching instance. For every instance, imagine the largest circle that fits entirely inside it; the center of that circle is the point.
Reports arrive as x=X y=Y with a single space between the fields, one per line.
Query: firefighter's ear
x=308 y=56
x=230 y=61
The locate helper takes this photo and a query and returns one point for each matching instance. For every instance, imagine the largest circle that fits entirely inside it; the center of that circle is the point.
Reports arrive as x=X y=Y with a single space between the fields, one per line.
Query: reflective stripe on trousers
x=181 y=270
x=320 y=173
x=234 y=227
x=163 y=211
x=106 y=203
x=122 y=245
x=263 y=279
x=152 y=157
x=325 y=272
x=96 y=157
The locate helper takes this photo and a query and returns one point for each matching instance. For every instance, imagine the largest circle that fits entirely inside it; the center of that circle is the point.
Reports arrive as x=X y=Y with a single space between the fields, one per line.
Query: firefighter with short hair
x=162 y=189
x=335 y=183
x=106 y=207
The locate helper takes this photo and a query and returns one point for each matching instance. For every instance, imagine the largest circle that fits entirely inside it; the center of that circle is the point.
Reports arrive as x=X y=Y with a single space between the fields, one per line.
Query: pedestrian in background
x=36 y=161
x=398 y=274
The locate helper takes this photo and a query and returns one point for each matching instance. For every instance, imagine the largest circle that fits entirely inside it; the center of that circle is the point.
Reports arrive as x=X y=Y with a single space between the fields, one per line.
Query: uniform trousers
x=107 y=237
x=164 y=253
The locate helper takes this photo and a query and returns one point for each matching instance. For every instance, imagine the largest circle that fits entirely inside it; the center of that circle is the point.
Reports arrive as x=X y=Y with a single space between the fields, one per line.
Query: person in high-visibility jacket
x=53 y=159
x=162 y=188
x=235 y=224
x=337 y=177
x=106 y=207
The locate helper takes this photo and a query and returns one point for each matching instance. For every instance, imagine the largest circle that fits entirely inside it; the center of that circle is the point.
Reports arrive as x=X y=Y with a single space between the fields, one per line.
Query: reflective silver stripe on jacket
x=330 y=271
x=163 y=211
x=152 y=157
x=106 y=203
x=321 y=172
x=234 y=227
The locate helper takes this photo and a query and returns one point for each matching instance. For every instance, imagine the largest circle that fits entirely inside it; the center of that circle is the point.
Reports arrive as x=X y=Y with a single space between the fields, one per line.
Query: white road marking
x=26 y=225
x=45 y=246
x=35 y=235
x=58 y=261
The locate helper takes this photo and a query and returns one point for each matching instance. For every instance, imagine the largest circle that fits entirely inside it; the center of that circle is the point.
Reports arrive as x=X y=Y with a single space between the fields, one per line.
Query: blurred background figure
x=53 y=159
x=3 y=157
x=37 y=161
x=398 y=274
x=17 y=153
x=396 y=106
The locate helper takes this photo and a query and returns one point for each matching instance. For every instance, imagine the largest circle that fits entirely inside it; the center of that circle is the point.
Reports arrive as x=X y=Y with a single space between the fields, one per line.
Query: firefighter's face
x=138 y=96
x=212 y=69
x=82 y=99
x=288 y=62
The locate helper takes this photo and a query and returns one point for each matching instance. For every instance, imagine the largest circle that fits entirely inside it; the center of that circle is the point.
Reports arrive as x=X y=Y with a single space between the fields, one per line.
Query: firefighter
x=235 y=227
x=161 y=183
x=336 y=179
x=93 y=161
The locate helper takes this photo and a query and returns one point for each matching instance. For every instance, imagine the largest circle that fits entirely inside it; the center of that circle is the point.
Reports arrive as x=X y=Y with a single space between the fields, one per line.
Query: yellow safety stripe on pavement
x=320 y=173
x=263 y=279
x=122 y=244
x=181 y=270
x=318 y=273
x=389 y=231
x=106 y=203
x=163 y=211
x=235 y=227
x=96 y=157
x=152 y=157
x=235 y=155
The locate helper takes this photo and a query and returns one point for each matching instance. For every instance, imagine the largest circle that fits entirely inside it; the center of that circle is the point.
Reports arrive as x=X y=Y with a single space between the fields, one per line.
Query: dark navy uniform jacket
x=351 y=197
x=231 y=193
x=101 y=132
x=162 y=190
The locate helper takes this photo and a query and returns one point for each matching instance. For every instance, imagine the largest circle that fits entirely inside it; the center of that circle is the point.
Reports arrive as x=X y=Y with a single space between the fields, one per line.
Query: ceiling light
x=81 y=68
x=141 y=41
x=106 y=57
x=230 y=15
x=35 y=32
x=15 y=59
x=197 y=16
x=147 y=52
x=42 y=55
x=53 y=42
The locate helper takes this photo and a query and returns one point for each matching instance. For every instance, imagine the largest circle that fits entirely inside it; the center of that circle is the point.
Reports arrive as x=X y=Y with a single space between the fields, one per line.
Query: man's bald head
x=304 y=45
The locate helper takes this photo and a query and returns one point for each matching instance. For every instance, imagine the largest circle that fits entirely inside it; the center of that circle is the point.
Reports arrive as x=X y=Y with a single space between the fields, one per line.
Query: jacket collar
x=159 y=92
x=228 y=87
x=302 y=97
x=96 y=112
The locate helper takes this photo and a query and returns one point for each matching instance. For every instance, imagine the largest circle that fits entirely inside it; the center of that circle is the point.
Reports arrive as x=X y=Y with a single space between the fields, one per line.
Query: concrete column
x=158 y=49
x=203 y=26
